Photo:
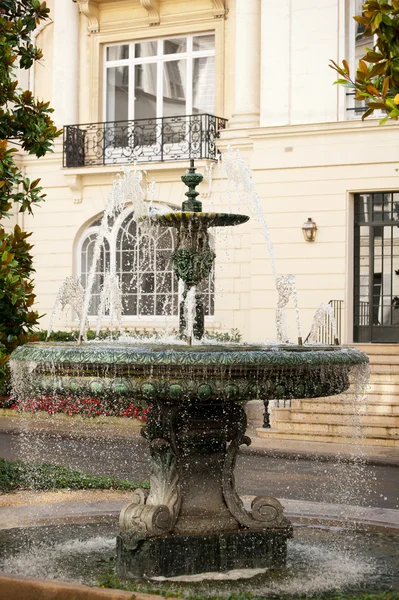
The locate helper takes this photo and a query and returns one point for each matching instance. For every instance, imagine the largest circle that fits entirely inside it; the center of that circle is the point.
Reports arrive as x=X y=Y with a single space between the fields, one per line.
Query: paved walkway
x=63 y=427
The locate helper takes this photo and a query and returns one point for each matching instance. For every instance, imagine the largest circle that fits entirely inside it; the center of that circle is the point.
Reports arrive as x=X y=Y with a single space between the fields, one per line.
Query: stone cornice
x=337 y=127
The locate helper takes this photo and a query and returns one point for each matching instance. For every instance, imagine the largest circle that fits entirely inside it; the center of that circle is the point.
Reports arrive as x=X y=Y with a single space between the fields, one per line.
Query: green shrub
x=72 y=336
x=20 y=475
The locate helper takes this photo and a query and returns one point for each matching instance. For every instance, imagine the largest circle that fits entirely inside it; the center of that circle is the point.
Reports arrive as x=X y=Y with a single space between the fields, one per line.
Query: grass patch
x=17 y=475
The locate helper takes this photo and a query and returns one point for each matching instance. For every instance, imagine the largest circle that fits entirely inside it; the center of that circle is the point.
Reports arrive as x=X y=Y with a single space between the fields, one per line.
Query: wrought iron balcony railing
x=142 y=140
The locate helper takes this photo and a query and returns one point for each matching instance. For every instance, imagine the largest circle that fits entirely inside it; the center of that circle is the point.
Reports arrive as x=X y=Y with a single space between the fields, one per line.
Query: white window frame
x=159 y=59
x=352 y=115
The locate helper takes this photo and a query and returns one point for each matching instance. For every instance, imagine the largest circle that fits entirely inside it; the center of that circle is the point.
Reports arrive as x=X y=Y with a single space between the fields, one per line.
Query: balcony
x=142 y=141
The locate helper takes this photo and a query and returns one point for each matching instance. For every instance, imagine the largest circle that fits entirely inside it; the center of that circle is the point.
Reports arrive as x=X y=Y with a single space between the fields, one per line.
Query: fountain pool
x=320 y=561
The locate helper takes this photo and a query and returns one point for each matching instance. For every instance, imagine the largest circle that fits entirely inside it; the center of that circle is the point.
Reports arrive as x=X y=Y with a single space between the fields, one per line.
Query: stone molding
x=90 y=10
x=74 y=182
x=152 y=8
x=219 y=9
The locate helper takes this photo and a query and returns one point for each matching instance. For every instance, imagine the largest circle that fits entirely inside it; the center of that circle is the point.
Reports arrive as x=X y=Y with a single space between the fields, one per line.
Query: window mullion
x=105 y=89
x=189 y=77
x=132 y=84
x=160 y=68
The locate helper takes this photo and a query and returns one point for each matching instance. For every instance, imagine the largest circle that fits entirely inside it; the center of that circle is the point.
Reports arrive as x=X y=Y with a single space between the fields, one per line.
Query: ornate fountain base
x=173 y=555
x=193 y=521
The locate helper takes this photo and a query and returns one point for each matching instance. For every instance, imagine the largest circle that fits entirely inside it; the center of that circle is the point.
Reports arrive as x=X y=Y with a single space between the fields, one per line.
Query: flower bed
x=73 y=405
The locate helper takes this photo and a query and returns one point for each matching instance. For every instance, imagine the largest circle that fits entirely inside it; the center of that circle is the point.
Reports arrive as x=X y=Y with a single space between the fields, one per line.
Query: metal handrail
x=326 y=333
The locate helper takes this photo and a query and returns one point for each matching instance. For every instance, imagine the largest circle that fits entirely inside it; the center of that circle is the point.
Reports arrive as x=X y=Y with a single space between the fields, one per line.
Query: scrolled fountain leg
x=267 y=512
x=155 y=513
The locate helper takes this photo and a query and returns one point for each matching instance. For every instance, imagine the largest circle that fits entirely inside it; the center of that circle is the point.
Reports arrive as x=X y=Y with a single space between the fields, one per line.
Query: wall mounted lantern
x=309 y=230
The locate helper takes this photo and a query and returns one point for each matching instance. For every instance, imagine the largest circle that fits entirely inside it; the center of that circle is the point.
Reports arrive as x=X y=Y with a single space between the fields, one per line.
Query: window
x=376 y=267
x=160 y=78
x=358 y=45
x=142 y=260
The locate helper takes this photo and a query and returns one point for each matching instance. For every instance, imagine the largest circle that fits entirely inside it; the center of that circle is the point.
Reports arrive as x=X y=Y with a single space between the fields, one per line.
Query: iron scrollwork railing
x=142 y=140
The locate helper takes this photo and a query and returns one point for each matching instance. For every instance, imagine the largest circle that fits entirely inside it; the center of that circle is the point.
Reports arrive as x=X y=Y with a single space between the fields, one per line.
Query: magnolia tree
x=25 y=125
x=377 y=75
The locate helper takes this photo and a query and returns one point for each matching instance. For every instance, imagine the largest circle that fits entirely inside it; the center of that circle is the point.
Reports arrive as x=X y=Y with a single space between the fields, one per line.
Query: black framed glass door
x=376 y=267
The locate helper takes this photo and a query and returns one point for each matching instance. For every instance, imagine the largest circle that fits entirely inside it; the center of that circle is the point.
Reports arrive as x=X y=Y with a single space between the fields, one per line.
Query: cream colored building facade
x=263 y=66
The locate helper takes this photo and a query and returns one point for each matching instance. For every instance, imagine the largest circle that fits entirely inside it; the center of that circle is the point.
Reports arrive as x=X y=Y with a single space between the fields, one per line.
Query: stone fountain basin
x=176 y=373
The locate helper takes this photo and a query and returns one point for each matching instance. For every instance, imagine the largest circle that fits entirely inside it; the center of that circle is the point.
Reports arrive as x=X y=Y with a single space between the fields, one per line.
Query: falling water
x=71 y=293
x=110 y=301
x=324 y=319
x=238 y=173
x=126 y=188
x=286 y=289
x=189 y=313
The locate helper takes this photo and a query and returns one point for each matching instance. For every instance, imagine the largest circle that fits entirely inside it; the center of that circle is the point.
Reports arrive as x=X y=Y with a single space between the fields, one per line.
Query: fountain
x=192 y=520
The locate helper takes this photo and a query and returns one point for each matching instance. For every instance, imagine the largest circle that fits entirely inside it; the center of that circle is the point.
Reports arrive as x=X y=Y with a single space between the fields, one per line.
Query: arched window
x=144 y=266
x=142 y=259
x=86 y=260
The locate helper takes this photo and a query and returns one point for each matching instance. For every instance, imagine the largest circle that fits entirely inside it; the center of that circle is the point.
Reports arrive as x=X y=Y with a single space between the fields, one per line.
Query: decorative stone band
x=184 y=373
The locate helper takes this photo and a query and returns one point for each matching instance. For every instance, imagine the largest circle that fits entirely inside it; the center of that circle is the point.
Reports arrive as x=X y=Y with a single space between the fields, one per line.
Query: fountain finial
x=191 y=179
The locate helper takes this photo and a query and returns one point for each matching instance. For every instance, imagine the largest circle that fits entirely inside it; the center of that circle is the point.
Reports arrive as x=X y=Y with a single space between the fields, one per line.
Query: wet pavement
x=301 y=479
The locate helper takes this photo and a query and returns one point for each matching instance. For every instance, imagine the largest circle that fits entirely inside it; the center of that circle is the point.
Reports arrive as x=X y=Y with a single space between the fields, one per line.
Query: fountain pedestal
x=192 y=520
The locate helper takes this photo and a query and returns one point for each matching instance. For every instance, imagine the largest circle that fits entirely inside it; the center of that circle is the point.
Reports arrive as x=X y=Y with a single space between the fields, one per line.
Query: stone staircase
x=333 y=419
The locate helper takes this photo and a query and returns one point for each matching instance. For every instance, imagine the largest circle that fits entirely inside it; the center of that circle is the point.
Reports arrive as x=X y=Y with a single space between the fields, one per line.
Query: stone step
x=383 y=388
x=378 y=388
x=376 y=377
x=380 y=368
x=388 y=441
x=335 y=429
x=382 y=398
x=378 y=349
x=383 y=359
x=347 y=419
x=368 y=407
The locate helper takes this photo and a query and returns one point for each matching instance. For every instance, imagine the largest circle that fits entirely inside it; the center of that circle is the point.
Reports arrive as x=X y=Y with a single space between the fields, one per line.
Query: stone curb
x=301 y=511
x=23 y=588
